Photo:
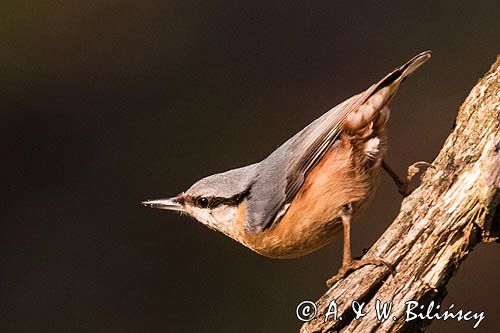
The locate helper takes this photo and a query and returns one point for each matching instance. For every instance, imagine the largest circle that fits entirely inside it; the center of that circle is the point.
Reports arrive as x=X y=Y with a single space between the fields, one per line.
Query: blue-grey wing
x=280 y=176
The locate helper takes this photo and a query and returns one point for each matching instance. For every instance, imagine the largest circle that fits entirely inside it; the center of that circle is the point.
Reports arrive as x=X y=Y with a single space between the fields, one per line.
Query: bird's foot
x=403 y=185
x=353 y=265
x=415 y=168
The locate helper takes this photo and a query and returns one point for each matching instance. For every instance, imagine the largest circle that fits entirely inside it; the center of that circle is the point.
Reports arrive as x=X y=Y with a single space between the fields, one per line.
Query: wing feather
x=280 y=176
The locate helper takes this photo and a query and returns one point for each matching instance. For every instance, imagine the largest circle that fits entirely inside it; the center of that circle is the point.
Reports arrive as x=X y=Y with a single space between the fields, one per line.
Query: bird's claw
x=403 y=185
x=356 y=264
x=413 y=169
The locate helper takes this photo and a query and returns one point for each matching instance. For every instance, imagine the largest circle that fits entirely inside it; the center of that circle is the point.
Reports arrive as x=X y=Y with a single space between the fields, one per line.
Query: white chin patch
x=371 y=147
x=219 y=218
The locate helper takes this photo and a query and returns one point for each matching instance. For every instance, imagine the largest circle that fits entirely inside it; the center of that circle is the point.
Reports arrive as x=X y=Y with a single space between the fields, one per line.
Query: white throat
x=221 y=218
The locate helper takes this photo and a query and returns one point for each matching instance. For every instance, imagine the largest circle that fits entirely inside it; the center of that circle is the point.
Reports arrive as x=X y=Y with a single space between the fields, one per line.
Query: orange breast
x=312 y=218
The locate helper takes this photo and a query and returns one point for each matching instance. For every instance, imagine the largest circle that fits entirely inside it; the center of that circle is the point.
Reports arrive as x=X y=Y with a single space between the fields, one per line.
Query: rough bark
x=454 y=209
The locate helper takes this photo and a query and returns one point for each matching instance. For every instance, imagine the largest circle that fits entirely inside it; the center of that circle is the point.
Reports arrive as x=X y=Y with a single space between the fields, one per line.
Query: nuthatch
x=294 y=201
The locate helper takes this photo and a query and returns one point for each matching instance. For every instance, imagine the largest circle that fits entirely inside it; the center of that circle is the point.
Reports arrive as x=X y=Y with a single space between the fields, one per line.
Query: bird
x=311 y=187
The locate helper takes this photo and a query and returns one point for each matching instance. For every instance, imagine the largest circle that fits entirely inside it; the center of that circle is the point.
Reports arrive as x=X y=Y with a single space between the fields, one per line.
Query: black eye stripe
x=212 y=202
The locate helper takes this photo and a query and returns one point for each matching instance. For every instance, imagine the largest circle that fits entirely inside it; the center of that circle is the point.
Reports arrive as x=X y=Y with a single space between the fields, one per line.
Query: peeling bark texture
x=455 y=208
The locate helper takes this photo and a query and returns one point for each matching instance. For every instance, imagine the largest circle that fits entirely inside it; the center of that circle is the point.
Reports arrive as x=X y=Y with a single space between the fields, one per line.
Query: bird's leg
x=348 y=263
x=403 y=185
x=347 y=260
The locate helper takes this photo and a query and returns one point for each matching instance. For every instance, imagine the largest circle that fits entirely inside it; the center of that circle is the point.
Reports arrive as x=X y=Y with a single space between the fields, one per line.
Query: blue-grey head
x=213 y=200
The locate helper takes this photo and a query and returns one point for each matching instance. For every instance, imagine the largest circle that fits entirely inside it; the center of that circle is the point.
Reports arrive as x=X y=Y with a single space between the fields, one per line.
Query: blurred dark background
x=108 y=103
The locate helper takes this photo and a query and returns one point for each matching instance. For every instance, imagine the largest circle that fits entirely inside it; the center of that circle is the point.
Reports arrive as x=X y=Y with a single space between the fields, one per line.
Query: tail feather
x=402 y=72
x=380 y=94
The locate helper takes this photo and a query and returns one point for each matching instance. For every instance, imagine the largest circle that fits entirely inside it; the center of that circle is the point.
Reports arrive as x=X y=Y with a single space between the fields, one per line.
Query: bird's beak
x=169 y=204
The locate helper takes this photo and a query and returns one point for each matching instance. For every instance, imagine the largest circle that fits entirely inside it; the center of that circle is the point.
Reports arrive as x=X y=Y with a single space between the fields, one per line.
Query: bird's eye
x=202 y=202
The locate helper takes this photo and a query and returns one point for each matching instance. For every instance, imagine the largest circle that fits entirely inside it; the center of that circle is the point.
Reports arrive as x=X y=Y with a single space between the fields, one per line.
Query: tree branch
x=454 y=209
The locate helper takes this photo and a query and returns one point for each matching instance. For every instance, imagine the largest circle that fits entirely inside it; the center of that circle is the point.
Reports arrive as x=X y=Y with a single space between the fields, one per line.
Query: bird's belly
x=295 y=240
x=313 y=217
